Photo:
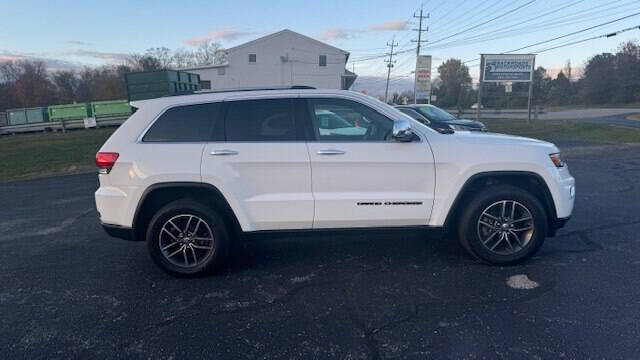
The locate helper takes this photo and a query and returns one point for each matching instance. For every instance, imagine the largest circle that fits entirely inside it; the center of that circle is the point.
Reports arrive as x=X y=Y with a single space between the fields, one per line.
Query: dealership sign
x=508 y=67
x=423 y=76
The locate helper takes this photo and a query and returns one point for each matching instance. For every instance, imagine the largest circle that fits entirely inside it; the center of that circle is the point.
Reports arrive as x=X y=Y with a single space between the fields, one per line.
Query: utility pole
x=389 y=66
x=420 y=30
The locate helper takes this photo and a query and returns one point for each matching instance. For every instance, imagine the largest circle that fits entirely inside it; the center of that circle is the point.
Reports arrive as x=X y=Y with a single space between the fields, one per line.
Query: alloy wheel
x=505 y=227
x=186 y=240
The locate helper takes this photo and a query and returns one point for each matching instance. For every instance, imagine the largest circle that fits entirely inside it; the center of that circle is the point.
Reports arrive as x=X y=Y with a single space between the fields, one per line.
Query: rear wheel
x=186 y=238
x=503 y=225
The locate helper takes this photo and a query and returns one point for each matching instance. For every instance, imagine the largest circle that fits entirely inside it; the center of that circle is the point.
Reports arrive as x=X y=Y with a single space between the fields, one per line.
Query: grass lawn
x=25 y=156
x=46 y=154
x=554 y=130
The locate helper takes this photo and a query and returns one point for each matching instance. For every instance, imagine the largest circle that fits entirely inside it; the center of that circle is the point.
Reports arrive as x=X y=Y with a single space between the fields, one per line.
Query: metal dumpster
x=27 y=116
x=69 y=112
x=114 y=108
x=154 y=84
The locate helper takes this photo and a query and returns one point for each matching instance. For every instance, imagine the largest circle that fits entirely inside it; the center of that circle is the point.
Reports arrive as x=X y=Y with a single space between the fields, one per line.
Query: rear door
x=361 y=176
x=263 y=167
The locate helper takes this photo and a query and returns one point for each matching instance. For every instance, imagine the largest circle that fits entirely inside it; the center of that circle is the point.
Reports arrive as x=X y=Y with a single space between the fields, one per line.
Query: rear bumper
x=117 y=231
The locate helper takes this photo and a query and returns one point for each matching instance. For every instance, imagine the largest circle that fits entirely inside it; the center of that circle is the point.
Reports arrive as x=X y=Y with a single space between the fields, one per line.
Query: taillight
x=105 y=161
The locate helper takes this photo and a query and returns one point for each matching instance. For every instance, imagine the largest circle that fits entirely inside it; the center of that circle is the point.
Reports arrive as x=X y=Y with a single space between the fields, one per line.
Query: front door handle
x=330 y=152
x=223 y=152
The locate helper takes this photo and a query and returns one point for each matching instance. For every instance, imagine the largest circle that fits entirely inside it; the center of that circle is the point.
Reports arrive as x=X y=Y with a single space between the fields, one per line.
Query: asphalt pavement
x=67 y=290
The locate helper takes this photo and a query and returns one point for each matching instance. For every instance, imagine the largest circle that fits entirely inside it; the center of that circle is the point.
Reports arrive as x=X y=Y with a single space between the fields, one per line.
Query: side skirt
x=428 y=231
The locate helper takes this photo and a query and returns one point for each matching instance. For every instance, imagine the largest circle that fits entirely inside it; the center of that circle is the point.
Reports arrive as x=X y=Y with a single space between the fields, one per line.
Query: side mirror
x=402 y=130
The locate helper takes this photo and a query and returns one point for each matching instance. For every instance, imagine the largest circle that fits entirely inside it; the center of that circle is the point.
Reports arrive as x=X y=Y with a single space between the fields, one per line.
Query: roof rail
x=294 y=87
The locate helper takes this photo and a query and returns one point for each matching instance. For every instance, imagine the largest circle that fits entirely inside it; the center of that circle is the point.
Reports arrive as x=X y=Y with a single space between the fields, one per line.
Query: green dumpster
x=27 y=116
x=114 y=108
x=154 y=84
x=69 y=112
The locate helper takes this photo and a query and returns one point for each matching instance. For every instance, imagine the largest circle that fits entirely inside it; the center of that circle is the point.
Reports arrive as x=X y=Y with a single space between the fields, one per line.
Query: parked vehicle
x=192 y=174
x=439 y=119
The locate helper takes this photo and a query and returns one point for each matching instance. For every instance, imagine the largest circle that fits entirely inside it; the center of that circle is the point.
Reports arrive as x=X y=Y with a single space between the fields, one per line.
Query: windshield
x=434 y=113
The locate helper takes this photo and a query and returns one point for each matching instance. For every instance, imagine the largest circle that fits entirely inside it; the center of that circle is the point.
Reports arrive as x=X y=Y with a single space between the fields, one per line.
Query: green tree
x=599 y=82
x=560 y=90
x=627 y=74
x=455 y=84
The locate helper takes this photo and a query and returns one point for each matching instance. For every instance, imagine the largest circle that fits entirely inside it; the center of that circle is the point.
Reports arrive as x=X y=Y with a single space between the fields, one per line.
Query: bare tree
x=10 y=71
x=209 y=53
x=32 y=85
x=183 y=58
x=66 y=83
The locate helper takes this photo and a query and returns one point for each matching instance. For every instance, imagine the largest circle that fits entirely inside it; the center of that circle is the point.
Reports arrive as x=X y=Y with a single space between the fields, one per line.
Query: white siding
x=282 y=59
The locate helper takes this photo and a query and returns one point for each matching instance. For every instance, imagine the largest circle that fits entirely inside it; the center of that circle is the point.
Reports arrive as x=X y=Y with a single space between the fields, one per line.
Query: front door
x=360 y=175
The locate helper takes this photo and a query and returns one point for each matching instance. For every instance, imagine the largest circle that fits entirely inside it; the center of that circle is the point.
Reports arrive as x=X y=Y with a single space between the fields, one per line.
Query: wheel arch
x=529 y=181
x=160 y=194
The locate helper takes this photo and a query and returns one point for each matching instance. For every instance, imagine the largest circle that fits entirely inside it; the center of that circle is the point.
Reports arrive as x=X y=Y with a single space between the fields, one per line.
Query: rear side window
x=191 y=123
x=260 y=120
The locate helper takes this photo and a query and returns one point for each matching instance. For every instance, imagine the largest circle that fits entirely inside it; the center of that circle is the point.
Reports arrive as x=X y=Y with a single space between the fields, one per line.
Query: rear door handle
x=223 y=152
x=330 y=152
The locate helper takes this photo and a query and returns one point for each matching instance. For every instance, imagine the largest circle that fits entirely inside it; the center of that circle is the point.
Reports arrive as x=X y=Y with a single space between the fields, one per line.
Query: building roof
x=281 y=32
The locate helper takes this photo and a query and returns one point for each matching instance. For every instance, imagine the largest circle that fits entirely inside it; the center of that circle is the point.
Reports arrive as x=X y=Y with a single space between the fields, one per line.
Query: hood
x=466 y=122
x=499 y=139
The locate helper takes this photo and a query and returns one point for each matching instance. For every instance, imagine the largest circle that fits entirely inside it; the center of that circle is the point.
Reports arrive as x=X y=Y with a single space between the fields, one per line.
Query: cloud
x=50 y=63
x=79 y=43
x=107 y=56
x=225 y=34
x=391 y=26
x=334 y=34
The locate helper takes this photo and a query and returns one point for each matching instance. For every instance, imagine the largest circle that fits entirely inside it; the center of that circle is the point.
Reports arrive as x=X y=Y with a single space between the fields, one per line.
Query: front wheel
x=503 y=225
x=186 y=238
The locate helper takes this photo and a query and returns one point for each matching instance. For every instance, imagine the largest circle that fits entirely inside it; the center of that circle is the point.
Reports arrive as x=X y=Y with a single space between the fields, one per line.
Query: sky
x=73 y=33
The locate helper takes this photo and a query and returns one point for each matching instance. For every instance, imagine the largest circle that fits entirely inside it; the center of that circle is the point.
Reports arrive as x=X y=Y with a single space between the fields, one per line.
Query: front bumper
x=556 y=224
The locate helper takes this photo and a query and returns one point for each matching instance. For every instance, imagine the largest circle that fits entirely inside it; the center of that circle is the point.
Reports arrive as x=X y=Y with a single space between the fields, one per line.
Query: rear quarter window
x=189 y=123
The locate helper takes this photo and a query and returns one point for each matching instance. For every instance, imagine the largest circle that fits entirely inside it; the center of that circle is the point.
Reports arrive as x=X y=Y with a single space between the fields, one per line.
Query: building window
x=221 y=71
x=205 y=84
x=252 y=58
x=323 y=60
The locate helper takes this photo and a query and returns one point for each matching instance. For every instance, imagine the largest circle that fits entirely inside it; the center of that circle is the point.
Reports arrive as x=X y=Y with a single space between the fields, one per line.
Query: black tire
x=469 y=229
x=211 y=258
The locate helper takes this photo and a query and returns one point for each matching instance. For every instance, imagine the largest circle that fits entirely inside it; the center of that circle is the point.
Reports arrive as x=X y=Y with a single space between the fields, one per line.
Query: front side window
x=190 y=123
x=260 y=120
x=346 y=120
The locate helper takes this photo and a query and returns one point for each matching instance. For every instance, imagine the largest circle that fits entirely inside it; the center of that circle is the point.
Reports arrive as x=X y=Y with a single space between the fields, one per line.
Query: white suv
x=192 y=174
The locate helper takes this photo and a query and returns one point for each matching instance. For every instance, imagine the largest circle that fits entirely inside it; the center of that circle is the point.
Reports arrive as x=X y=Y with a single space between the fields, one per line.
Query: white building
x=284 y=58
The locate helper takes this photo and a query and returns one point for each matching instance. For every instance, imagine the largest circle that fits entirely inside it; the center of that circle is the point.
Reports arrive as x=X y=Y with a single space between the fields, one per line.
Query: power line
x=608 y=35
x=576 y=32
x=485 y=22
x=492 y=35
x=565 y=35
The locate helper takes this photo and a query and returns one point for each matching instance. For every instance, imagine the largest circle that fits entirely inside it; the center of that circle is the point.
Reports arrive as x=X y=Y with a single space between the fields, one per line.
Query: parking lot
x=68 y=290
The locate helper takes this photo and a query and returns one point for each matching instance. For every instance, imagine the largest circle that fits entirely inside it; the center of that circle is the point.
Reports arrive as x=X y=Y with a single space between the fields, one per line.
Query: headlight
x=556 y=160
